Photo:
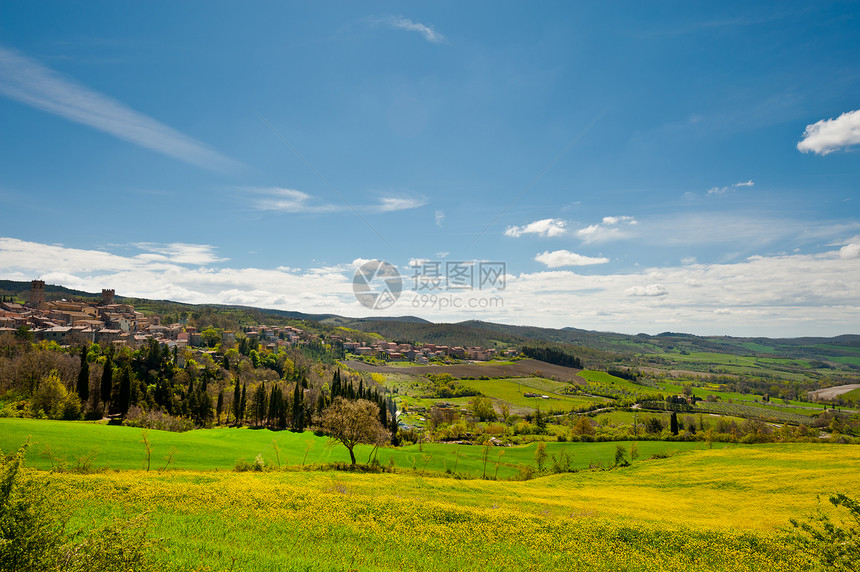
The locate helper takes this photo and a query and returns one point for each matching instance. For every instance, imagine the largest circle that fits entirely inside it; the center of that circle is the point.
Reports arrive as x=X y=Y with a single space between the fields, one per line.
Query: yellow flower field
x=703 y=510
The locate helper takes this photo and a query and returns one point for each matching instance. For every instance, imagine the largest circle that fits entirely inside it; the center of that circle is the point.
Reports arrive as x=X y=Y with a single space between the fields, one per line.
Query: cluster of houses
x=106 y=322
x=68 y=322
x=421 y=353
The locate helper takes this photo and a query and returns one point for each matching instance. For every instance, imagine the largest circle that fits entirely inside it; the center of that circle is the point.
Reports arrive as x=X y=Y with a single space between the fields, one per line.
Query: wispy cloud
x=547 y=227
x=28 y=81
x=391 y=204
x=401 y=23
x=440 y=218
x=559 y=258
x=828 y=135
x=724 y=190
x=293 y=201
x=179 y=253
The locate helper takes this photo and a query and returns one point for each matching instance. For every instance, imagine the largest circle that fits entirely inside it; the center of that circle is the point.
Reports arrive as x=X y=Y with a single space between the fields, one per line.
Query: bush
x=835 y=546
x=157 y=420
x=51 y=399
x=34 y=537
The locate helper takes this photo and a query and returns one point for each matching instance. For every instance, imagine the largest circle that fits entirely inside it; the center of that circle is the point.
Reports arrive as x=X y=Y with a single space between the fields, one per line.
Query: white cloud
x=851 y=250
x=611 y=220
x=547 y=227
x=828 y=135
x=612 y=228
x=29 y=82
x=749 y=183
x=779 y=296
x=560 y=258
x=650 y=290
x=440 y=218
x=401 y=23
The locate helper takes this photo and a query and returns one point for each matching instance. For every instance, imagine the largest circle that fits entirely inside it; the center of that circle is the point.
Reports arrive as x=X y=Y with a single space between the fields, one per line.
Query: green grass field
x=720 y=509
x=121 y=448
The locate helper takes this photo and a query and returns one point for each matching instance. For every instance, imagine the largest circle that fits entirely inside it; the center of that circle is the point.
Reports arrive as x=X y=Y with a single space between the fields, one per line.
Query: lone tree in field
x=353 y=422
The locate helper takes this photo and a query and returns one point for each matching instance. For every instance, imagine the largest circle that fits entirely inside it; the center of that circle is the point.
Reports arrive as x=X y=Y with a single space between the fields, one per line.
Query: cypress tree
x=243 y=402
x=237 y=401
x=107 y=381
x=124 y=397
x=84 y=376
x=220 y=407
x=298 y=408
x=673 y=423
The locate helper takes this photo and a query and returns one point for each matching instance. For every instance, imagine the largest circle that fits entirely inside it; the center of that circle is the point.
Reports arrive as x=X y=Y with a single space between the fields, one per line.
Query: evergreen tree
x=84 y=376
x=673 y=423
x=107 y=381
x=220 y=407
x=260 y=405
x=237 y=401
x=204 y=407
x=124 y=398
x=298 y=408
x=243 y=402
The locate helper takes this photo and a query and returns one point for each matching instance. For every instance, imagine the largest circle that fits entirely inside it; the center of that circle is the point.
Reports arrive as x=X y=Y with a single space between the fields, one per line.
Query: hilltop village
x=109 y=323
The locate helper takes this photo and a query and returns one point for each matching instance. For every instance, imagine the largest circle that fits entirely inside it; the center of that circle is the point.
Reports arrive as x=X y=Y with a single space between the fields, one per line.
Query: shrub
x=835 y=546
x=34 y=537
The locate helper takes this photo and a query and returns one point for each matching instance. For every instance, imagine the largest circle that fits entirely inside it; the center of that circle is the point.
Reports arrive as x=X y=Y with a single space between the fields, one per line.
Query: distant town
x=108 y=323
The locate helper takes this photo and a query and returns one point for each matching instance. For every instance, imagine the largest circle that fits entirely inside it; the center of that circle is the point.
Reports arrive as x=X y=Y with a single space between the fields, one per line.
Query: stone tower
x=37 y=292
x=107 y=296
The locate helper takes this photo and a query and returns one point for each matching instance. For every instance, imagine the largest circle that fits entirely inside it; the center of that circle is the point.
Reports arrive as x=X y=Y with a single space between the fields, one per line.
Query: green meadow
x=726 y=508
x=100 y=446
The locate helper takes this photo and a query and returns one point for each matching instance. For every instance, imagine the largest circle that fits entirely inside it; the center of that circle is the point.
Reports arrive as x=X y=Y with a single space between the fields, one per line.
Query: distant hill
x=594 y=346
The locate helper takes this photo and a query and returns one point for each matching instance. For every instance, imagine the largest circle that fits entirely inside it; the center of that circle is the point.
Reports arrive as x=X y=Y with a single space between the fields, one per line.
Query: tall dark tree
x=106 y=385
x=237 y=401
x=243 y=402
x=298 y=408
x=220 y=407
x=673 y=423
x=260 y=404
x=84 y=376
x=124 y=397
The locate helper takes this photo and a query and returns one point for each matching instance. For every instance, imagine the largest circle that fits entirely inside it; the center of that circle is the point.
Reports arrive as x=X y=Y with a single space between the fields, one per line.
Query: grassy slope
x=218 y=449
x=705 y=510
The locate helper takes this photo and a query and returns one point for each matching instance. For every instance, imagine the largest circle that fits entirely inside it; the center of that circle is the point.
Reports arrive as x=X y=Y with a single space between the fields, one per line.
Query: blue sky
x=638 y=167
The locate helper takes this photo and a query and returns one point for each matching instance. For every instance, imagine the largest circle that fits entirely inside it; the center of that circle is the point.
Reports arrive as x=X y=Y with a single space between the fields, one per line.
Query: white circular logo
x=377 y=285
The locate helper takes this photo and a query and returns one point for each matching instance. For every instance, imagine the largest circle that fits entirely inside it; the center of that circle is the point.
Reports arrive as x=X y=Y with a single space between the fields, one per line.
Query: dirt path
x=833 y=392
